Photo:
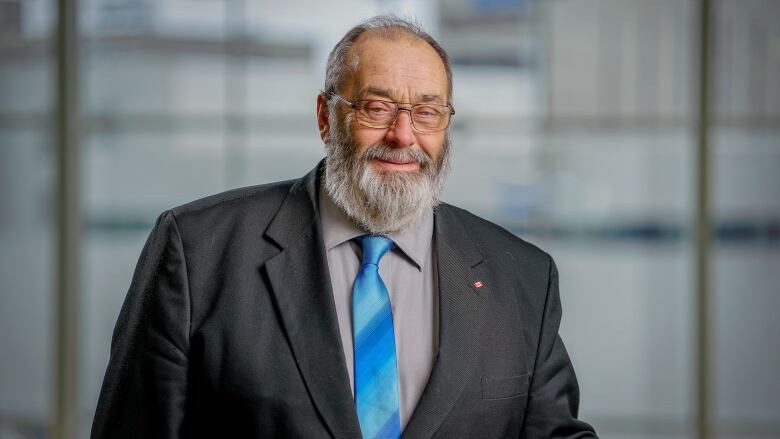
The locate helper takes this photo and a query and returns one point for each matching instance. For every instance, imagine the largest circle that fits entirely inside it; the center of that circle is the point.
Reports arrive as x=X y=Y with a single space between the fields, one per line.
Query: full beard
x=381 y=202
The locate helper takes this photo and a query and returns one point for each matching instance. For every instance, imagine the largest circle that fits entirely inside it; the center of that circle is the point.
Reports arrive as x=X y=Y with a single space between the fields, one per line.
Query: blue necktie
x=376 y=376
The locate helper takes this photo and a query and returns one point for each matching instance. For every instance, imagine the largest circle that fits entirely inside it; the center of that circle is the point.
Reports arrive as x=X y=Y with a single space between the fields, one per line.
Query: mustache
x=382 y=151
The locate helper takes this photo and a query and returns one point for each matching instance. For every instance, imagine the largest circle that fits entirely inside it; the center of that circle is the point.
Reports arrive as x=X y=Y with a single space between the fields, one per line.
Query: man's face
x=384 y=179
x=402 y=70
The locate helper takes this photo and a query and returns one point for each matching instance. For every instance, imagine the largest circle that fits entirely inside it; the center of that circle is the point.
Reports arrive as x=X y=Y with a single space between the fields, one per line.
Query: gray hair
x=387 y=26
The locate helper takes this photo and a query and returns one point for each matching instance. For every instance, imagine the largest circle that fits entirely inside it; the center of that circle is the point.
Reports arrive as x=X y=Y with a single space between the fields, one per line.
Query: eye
x=377 y=108
x=426 y=112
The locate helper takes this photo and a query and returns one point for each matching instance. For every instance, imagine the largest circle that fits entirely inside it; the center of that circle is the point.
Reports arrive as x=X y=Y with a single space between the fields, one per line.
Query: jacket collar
x=299 y=211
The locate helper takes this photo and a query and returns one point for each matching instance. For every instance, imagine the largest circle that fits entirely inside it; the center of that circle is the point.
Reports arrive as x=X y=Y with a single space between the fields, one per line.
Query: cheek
x=365 y=137
x=432 y=144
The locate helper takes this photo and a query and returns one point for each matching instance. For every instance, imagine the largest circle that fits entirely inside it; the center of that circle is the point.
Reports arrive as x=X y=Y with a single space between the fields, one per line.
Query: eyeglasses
x=376 y=113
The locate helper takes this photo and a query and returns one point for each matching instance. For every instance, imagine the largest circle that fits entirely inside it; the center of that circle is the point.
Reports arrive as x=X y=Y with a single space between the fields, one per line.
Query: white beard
x=381 y=202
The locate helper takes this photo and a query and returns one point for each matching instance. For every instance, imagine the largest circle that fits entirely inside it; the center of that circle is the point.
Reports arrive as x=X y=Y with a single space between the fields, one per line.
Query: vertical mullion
x=236 y=59
x=703 y=222
x=68 y=221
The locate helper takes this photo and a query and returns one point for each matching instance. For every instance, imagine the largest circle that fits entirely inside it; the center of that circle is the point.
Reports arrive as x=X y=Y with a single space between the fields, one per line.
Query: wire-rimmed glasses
x=378 y=113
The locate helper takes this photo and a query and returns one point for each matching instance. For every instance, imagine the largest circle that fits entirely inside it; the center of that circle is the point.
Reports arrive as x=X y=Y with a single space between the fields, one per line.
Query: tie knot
x=374 y=247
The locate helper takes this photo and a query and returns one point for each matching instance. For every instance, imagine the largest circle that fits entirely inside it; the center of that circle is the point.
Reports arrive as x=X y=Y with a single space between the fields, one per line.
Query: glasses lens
x=430 y=117
x=377 y=113
x=382 y=114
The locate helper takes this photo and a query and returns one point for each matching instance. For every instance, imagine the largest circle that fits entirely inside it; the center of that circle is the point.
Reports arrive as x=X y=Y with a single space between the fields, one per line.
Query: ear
x=322 y=117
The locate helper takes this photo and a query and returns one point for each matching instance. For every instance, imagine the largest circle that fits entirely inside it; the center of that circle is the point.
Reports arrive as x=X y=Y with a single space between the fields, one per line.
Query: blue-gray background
x=575 y=129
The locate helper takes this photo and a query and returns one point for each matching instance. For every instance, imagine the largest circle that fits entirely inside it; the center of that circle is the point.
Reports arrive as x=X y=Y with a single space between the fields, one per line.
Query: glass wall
x=575 y=130
x=27 y=235
x=746 y=209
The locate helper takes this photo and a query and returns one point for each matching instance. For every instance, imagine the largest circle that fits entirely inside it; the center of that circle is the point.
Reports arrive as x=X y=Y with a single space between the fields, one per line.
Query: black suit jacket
x=229 y=330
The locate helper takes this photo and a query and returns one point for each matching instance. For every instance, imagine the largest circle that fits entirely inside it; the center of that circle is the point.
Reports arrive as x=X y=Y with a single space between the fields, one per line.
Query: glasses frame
x=399 y=109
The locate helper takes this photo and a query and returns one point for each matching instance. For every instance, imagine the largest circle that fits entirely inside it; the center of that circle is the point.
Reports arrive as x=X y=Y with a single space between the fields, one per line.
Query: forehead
x=406 y=68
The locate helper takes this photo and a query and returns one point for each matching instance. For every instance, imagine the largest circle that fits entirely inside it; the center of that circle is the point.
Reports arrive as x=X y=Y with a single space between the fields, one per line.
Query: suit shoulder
x=260 y=201
x=494 y=239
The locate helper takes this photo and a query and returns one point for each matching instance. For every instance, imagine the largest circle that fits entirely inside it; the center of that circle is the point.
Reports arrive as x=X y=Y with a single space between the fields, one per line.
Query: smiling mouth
x=396 y=164
x=392 y=159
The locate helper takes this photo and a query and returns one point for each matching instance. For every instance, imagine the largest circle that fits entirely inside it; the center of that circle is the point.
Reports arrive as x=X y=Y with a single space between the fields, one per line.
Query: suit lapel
x=461 y=314
x=300 y=282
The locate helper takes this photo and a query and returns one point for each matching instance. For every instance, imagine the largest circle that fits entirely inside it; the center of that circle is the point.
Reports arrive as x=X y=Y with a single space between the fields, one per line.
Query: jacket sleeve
x=554 y=395
x=145 y=386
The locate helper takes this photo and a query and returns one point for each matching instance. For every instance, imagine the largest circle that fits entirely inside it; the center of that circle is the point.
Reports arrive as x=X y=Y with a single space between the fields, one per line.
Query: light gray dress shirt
x=410 y=275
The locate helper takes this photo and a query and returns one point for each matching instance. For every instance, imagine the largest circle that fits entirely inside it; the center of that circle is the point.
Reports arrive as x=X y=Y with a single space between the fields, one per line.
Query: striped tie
x=376 y=376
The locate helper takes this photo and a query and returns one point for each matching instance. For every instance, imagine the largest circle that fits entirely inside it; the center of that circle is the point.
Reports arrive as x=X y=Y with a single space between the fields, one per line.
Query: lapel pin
x=478 y=284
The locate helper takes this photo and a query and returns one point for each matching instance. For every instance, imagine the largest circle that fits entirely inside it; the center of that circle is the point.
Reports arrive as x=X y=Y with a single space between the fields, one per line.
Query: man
x=349 y=302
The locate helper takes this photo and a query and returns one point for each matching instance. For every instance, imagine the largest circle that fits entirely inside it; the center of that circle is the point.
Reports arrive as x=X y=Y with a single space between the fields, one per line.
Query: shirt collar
x=338 y=228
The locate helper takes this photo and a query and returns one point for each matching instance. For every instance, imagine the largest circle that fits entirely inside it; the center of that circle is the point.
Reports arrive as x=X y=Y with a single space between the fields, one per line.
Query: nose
x=401 y=131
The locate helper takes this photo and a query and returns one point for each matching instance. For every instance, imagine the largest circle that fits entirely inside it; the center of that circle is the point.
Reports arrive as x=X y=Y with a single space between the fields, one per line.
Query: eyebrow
x=379 y=92
x=430 y=98
x=385 y=93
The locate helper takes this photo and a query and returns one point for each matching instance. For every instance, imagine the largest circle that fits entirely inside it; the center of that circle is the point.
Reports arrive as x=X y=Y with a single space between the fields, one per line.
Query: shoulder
x=250 y=207
x=265 y=194
x=494 y=240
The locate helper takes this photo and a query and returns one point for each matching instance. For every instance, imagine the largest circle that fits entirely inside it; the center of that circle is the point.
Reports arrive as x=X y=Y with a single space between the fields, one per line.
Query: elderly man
x=349 y=302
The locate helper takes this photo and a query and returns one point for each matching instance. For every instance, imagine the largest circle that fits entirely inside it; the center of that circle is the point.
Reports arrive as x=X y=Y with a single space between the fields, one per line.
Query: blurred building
x=575 y=129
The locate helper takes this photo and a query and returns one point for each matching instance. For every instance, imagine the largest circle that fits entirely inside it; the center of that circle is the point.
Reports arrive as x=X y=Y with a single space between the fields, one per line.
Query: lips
x=398 y=161
x=395 y=159
x=396 y=165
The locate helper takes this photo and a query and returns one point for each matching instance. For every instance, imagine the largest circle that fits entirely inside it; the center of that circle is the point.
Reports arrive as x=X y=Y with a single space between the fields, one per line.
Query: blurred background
x=577 y=128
